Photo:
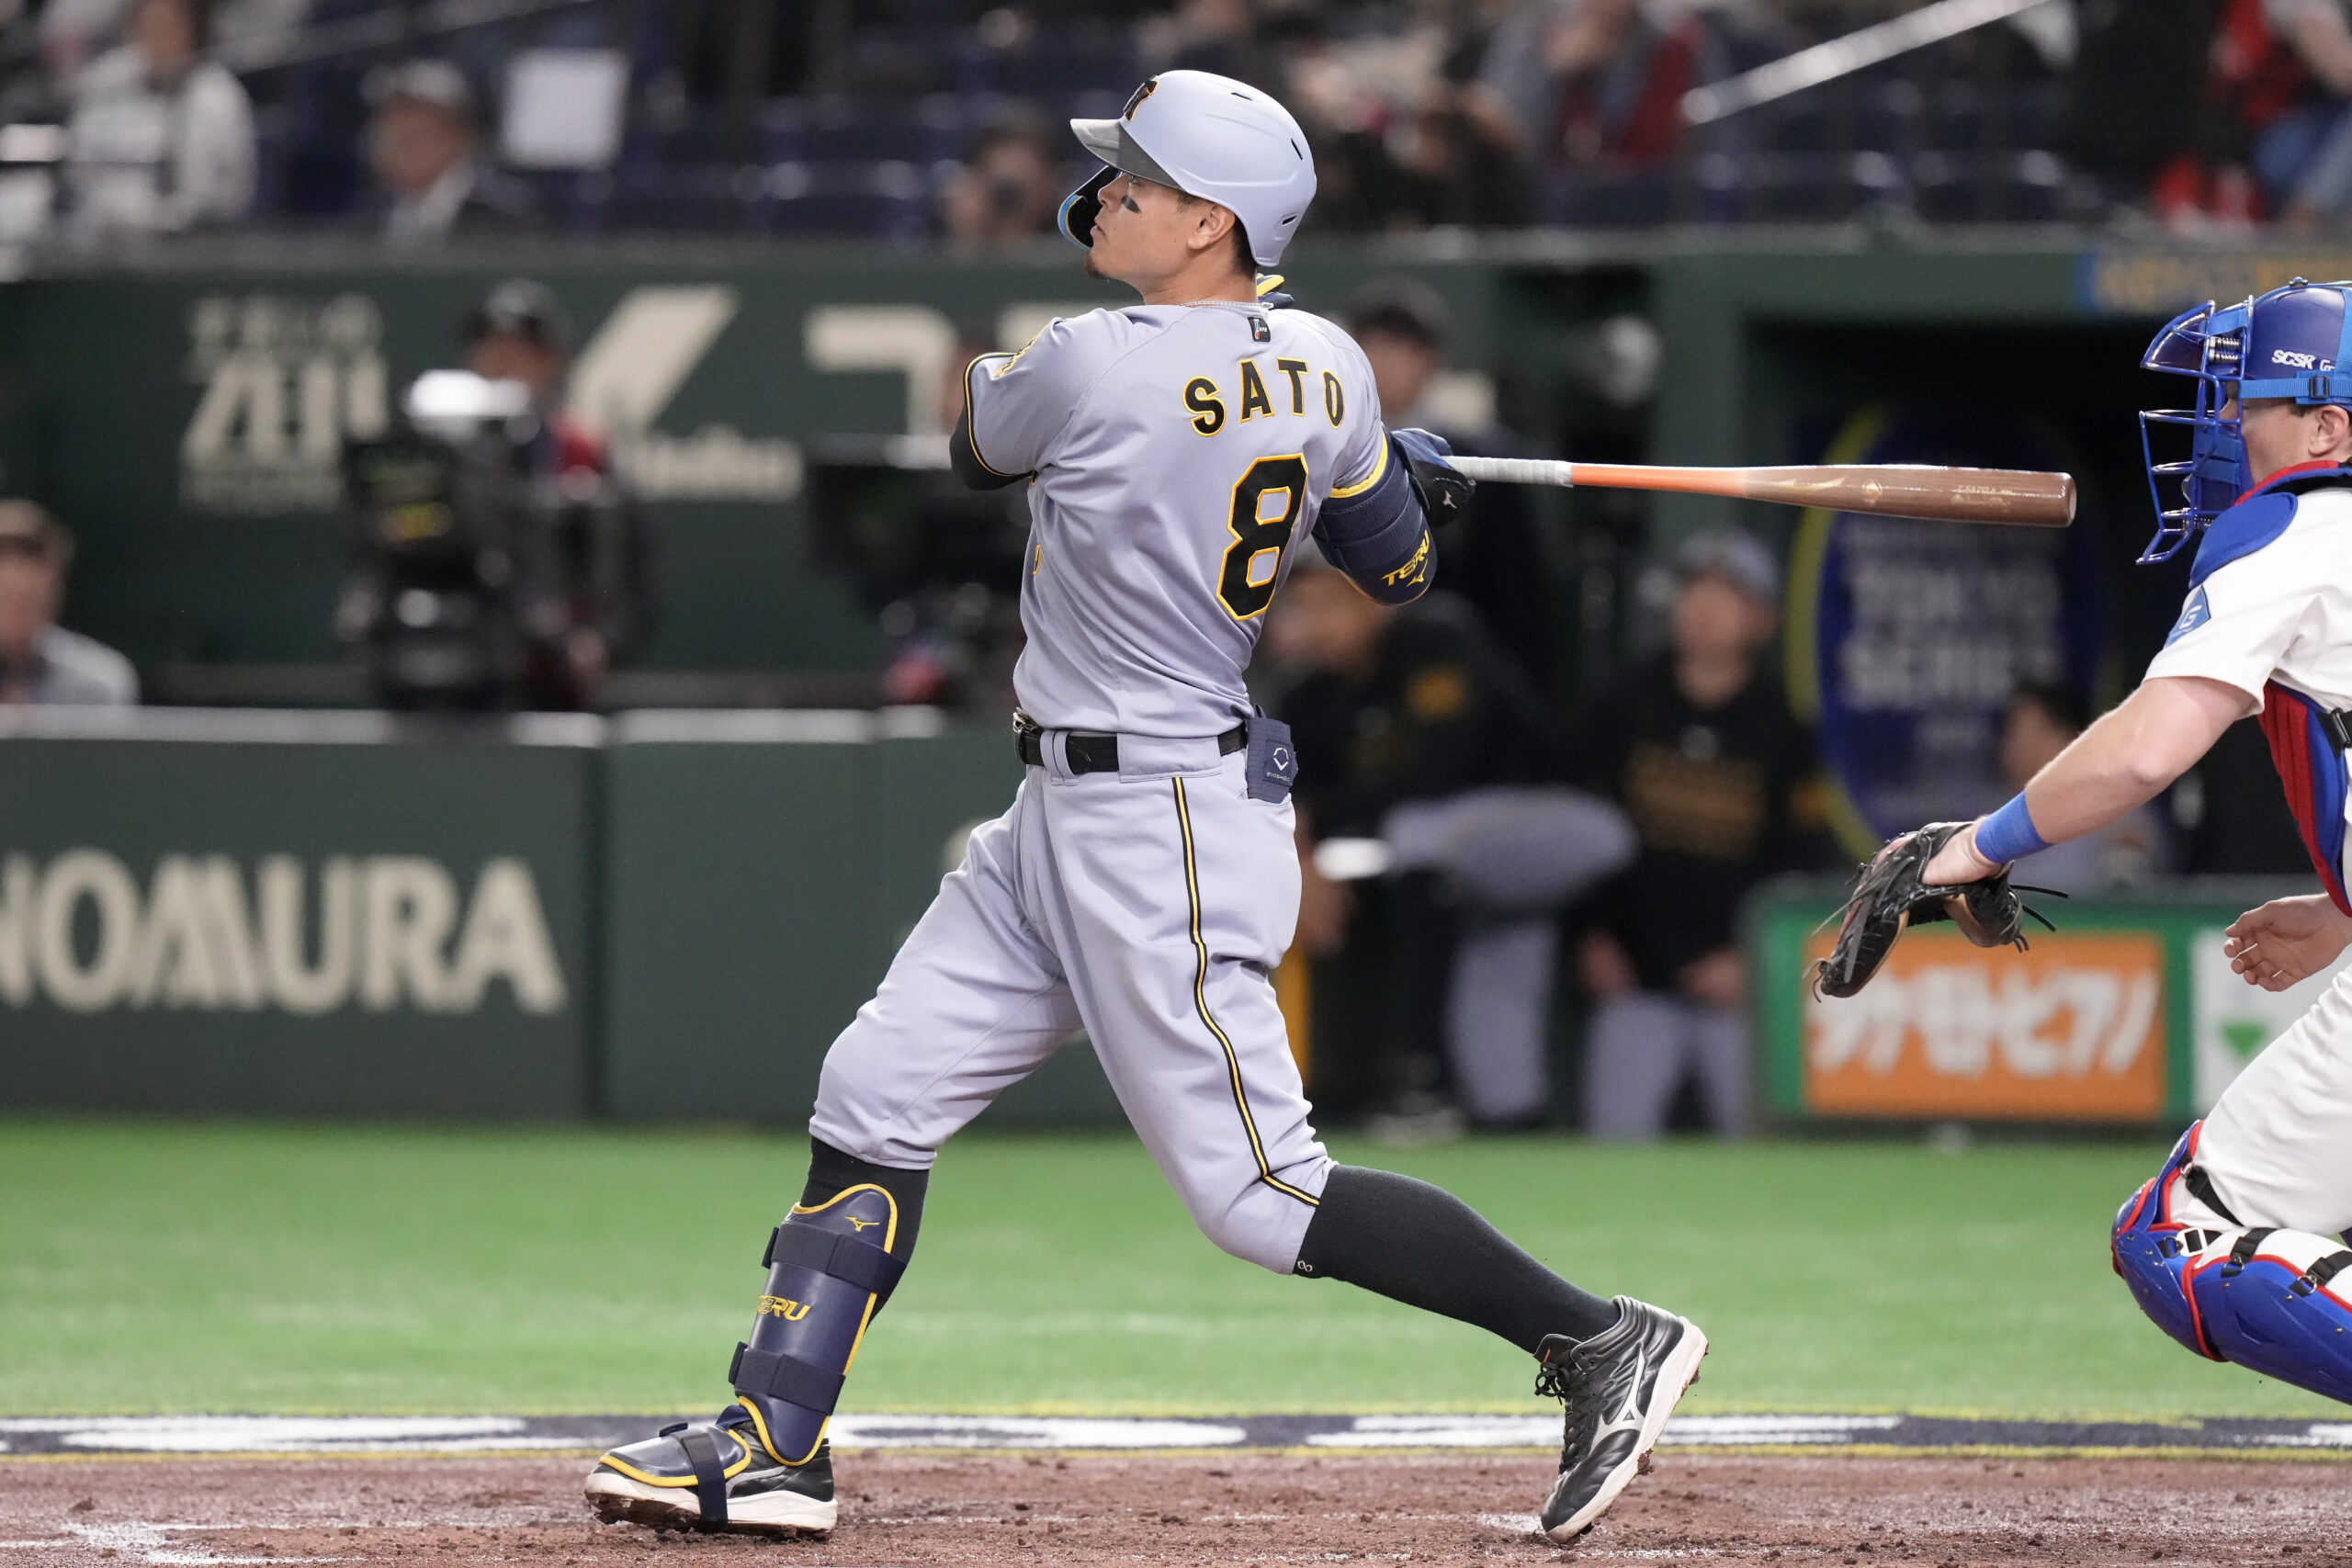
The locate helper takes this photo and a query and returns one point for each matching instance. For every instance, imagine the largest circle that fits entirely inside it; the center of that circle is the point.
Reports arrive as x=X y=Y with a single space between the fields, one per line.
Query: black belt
x=1096 y=753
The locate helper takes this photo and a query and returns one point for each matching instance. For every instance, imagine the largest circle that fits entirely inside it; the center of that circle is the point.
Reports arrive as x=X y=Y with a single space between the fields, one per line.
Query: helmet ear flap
x=1078 y=207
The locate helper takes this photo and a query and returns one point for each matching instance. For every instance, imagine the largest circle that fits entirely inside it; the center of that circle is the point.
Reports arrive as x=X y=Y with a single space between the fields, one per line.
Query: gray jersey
x=1180 y=451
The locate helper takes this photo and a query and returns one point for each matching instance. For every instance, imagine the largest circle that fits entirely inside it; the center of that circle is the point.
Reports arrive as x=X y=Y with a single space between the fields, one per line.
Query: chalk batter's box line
x=1726 y=1450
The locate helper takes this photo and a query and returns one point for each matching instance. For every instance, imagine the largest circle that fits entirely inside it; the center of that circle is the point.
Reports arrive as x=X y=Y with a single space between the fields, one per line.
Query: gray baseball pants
x=1148 y=907
x=1637 y=1048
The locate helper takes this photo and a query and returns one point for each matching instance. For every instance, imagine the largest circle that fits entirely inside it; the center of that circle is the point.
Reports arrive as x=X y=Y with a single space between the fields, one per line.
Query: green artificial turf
x=177 y=1268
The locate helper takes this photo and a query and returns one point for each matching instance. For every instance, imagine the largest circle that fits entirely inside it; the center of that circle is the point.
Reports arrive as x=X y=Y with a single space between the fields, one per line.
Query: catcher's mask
x=2285 y=344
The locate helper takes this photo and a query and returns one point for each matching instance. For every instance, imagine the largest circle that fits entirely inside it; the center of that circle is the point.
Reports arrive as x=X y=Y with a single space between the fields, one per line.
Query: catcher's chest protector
x=827 y=1267
x=2264 y=1298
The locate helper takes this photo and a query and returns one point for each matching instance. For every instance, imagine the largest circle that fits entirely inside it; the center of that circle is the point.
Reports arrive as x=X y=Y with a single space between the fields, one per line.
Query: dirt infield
x=928 y=1510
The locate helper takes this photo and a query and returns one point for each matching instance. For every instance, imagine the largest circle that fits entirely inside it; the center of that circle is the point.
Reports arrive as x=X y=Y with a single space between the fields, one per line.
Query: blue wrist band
x=2008 y=834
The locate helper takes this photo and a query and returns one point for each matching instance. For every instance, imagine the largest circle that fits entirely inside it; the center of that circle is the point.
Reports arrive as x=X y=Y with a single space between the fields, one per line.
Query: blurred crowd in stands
x=417 y=120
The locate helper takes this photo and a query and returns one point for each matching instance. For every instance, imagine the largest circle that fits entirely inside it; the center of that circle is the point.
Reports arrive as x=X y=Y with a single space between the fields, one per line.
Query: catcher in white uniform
x=2235 y=1245
x=1144 y=883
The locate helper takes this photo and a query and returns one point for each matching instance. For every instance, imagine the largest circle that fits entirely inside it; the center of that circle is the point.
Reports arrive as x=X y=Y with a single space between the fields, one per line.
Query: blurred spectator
x=1494 y=556
x=246 y=21
x=1598 y=85
x=2303 y=156
x=160 y=140
x=2139 y=63
x=1008 y=188
x=74 y=32
x=1459 y=155
x=1413 y=730
x=421 y=143
x=600 y=549
x=1206 y=35
x=41 y=662
x=1723 y=786
x=2039 y=722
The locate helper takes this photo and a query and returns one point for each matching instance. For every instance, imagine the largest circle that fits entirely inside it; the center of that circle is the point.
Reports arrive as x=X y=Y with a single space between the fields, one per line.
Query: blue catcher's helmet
x=2285 y=344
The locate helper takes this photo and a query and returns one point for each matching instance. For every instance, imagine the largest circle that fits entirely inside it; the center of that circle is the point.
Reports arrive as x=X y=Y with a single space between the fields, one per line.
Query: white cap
x=1208 y=136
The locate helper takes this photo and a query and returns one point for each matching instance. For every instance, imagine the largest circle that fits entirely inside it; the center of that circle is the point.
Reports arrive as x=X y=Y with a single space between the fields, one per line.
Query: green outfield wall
x=296 y=913
x=670 y=915
x=665 y=916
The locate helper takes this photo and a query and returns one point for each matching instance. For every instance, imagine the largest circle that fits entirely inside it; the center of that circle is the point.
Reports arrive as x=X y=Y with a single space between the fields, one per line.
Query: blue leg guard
x=828 y=1266
x=2151 y=1255
x=2261 y=1297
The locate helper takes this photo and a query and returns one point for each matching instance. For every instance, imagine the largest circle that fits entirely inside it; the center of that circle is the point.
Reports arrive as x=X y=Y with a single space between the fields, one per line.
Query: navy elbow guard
x=1379 y=534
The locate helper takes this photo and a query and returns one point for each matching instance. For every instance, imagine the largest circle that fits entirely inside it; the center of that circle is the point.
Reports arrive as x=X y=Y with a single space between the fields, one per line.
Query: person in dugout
x=1725 y=787
x=1421 y=741
x=602 y=541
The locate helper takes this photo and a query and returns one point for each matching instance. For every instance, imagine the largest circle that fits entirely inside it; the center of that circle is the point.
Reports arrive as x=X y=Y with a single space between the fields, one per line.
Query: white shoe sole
x=1682 y=1369
x=616 y=1497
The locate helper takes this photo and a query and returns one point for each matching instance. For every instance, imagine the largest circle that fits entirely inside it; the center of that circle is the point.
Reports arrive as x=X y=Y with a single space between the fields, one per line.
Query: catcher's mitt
x=1889 y=897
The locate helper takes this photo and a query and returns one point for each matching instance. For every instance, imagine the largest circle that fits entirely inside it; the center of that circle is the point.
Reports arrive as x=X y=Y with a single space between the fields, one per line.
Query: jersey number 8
x=1255 y=562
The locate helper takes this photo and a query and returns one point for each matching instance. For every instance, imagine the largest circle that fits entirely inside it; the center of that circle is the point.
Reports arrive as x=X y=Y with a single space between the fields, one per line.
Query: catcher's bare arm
x=2018 y=496
x=2117 y=765
x=1961 y=871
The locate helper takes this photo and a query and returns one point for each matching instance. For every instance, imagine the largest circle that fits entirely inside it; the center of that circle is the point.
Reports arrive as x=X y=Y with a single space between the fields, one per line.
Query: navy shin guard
x=829 y=1267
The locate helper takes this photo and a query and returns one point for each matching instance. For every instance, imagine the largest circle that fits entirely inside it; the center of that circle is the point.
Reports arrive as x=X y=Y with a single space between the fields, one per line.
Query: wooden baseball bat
x=2018 y=496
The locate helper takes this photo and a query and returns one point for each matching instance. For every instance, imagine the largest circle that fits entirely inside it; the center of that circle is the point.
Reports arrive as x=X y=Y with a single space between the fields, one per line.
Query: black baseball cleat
x=715 y=1476
x=1620 y=1386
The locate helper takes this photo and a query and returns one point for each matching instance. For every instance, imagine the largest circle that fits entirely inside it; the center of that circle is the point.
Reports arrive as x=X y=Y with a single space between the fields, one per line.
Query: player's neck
x=1209 y=278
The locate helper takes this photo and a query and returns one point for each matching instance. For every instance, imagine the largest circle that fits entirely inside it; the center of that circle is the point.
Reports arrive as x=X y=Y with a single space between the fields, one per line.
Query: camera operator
x=599 y=544
x=451 y=598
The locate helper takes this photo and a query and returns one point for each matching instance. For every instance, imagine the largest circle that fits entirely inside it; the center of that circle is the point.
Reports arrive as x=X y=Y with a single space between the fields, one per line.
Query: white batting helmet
x=1208 y=136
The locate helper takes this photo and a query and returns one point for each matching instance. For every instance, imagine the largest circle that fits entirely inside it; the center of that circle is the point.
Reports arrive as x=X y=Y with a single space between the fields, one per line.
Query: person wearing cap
x=1416 y=731
x=601 y=543
x=1724 y=788
x=159 y=139
x=1494 y=557
x=423 y=147
x=41 y=662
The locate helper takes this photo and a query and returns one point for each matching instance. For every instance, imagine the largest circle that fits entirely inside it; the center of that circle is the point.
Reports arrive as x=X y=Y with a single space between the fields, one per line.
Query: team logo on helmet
x=1135 y=102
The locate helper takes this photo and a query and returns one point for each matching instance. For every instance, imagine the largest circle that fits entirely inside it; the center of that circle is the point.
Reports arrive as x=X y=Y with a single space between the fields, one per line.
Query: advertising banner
x=295 y=914
x=2128 y=1013
x=2072 y=1029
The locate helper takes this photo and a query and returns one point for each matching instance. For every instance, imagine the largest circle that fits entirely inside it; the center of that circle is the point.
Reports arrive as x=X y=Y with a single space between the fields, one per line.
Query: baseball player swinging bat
x=2015 y=496
x=1175 y=455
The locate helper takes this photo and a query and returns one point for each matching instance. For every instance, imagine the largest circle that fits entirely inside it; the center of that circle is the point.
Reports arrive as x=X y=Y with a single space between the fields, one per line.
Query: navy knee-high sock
x=832 y=1172
x=1420 y=1245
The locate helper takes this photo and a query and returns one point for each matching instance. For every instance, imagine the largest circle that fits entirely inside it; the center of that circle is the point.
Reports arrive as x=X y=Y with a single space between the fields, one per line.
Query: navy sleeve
x=1379 y=534
x=966 y=459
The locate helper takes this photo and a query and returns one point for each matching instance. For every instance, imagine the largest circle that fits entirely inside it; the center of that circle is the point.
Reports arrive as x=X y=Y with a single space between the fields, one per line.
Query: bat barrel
x=2015 y=496
x=1957 y=495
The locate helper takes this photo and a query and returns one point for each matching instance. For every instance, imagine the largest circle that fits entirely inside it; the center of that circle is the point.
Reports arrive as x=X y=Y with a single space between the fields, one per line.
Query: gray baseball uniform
x=1178 y=454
